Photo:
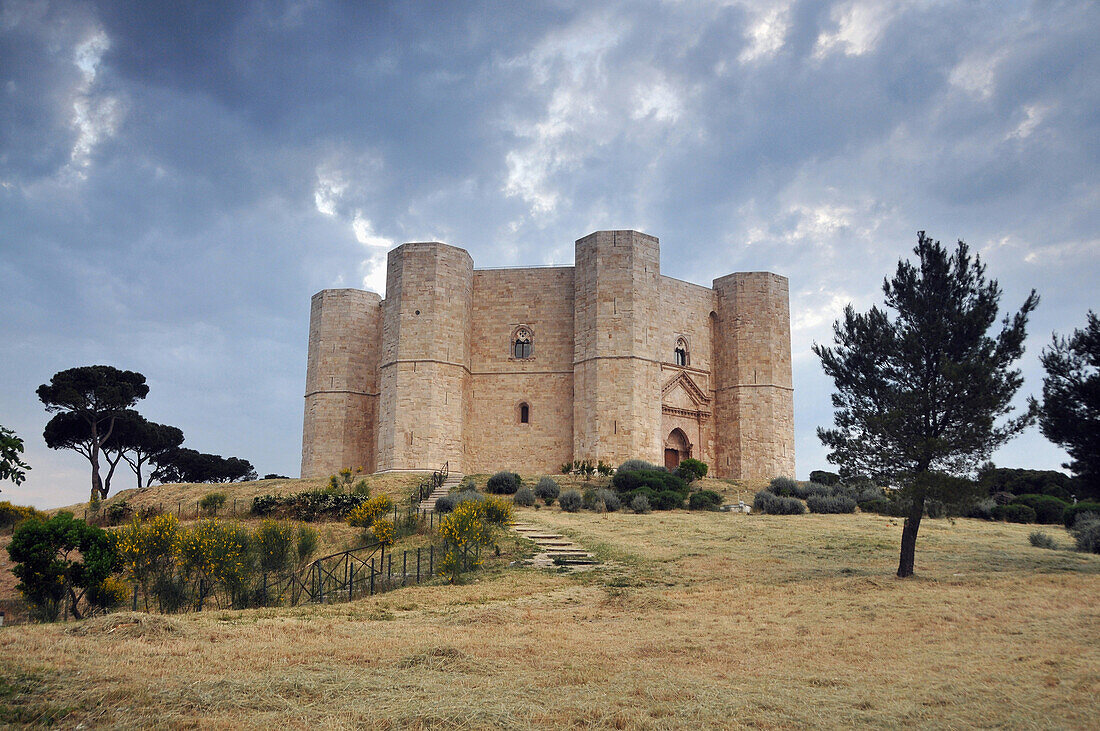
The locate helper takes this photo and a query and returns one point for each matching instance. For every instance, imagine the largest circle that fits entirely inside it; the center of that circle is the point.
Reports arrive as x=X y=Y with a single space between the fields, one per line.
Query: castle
x=526 y=369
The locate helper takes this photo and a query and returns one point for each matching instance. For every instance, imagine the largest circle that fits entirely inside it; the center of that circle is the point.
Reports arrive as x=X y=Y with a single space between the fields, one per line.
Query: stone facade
x=528 y=368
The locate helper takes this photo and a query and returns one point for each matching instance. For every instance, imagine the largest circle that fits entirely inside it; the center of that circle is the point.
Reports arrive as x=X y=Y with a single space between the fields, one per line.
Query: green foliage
x=466 y=529
x=547 y=490
x=769 y=503
x=980 y=510
x=993 y=479
x=783 y=486
x=1086 y=532
x=668 y=500
x=640 y=504
x=631 y=480
x=879 y=505
x=830 y=504
x=1040 y=539
x=307 y=543
x=1069 y=517
x=369 y=511
x=1070 y=413
x=212 y=502
x=603 y=468
x=1014 y=513
x=824 y=478
x=1048 y=509
x=187 y=465
x=503 y=483
x=525 y=497
x=633 y=465
x=571 y=501
x=705 y=500
x=601 y=500
x=59 y=561
x=12 y=466
x=446 y=503
x=308 y=506
x=691 y=470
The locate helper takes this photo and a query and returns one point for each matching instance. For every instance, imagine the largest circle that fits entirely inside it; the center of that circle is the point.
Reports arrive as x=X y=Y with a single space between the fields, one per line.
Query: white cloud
x=767 y=32
x=659 y=101
x=1033 y=117
x=977 y=73
x=365 y=235
x=328 y=190
x=859 y=24
x=95 y=117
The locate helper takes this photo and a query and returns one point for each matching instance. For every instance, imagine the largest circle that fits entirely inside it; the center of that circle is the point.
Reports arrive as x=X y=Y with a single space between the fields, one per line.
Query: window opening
x=524 y=414
x=521 y=343
x=681 y=352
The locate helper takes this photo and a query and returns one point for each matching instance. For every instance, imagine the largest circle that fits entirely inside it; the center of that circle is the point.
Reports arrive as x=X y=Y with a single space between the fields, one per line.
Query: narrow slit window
x=524 y=414
x=680 y=355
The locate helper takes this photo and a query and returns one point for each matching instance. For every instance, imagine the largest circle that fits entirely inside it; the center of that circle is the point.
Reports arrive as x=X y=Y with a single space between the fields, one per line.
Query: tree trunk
x=97 y=481
x=909 y=537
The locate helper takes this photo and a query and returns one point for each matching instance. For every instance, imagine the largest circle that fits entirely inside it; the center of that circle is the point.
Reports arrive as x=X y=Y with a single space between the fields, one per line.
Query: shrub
x=634 y=465
x=383 y=531
x=691 y=470
x=12 y=515
x=307 y=506
x=603 y=468
x=640 y=504
x=1086 y=532
x=1048 y=509
x=370 y=510
x=1014 y=513
x=273 y=543
x=833 y=504
x=667 y=500
x=1040 y=539
x=571 y=501
x=602 y=500
x=705 y=500
x=446 y=503
x=656 y=480
x=503 y=483
x=498 y=511
x=783 y=486
x=525 y=496
x=307 y=543
x=212 y=502
x=1070 y=516
x=118 y=512
x=547 y=490
x=824 y=478
x=879 y=505
x=768 y=502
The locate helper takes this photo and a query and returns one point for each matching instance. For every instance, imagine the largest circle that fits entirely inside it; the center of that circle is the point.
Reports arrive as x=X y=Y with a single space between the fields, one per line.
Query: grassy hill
x=693 y=620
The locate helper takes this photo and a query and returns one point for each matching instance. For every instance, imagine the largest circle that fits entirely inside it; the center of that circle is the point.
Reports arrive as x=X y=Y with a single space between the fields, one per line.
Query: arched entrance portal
x=677 y=447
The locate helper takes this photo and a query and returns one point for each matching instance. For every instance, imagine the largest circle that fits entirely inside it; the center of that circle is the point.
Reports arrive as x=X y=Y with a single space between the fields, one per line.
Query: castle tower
x=754 y=393
x=616 y=399
x=341 y=382
x=425 y=357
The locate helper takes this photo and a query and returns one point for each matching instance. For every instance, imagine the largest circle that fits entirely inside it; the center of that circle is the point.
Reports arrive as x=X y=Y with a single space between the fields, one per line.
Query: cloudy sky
x=175 y=182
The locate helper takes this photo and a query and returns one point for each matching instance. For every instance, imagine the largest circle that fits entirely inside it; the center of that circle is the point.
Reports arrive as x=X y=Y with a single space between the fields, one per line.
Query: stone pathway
x=555 y=549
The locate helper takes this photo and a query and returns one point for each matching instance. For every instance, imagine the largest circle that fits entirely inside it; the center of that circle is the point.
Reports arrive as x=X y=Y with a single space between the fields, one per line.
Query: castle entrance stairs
x=428 y=504
x=554 y=549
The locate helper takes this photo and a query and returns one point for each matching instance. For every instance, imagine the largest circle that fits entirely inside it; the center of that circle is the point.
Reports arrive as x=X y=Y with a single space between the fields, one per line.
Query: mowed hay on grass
x=694 y=620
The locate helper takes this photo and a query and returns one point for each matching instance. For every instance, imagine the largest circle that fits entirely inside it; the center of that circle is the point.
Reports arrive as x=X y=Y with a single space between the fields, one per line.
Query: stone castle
x=525 y=369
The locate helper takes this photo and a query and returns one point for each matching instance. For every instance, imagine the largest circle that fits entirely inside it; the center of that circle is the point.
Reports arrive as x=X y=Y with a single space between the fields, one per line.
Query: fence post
x=418 y=565
x=179 y=509
x=404 y=567
x=431 y=559
x=135 y=596
x=372 y=576
x=389 y=569
x=351 y=578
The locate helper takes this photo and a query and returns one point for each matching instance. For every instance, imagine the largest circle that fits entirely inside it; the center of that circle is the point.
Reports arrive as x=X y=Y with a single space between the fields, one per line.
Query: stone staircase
x=428 y=504
x=555 y=549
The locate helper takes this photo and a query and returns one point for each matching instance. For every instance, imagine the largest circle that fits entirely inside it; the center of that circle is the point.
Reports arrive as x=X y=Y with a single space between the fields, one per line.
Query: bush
x=824 y=478
x=547 y=490
x=524 y=496
x=656 y=480
x=879 y=505
x=212 y=502
x=634 y=465
x=307 y=543
x=503 y=483
x=1086 y=532
x=1040 y=539
x=783 y=486
x=833 y=505
x=498 y=511
x=1014 y=513
x=602 y=500
x=1070 y=516
x=768 y=502
x=640 y=504
x=691 y=470
x=446 y=503
x=12 y=515
x=1049 y=510
x=982 y=510
x=571 y=501
x=118 y=512
x=705 y=500
x=668 y=500
x=307 y=506
x=383 y=531
x=369 y=511
x=273 y=543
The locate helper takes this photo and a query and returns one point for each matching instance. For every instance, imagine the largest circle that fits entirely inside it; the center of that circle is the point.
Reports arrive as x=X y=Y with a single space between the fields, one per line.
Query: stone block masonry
x=528 y=368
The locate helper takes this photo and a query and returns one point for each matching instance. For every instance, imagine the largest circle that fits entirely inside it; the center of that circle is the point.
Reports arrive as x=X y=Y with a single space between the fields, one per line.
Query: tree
x=188 y=465
x=139 y=440
x=68 y=430
x=12 y=467
x=61 y=560
x=96 y=394
x=1070 y=413
x=920 y=396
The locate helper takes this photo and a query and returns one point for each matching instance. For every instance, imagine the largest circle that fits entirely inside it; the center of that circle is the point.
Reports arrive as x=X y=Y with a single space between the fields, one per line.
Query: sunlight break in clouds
x=767 y=32
x=94 y=117
x=859 y=25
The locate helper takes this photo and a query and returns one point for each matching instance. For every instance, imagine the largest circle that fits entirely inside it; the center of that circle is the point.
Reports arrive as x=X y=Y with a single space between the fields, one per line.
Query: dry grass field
x=693 y=621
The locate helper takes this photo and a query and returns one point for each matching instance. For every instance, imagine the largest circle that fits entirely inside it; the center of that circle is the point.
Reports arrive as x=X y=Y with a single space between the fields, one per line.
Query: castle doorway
x=677 y=448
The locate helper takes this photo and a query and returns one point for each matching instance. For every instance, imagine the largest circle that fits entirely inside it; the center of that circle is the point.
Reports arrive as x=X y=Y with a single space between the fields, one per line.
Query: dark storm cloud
x=177 y=179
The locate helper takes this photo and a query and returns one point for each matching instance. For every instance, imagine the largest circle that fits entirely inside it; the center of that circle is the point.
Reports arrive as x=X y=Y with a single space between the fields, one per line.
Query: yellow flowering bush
x=464 y=530
x=114 y=592
x=274 y=546
x=369 y=511
x=213 y=554
x=498 y=511
x=383 y=531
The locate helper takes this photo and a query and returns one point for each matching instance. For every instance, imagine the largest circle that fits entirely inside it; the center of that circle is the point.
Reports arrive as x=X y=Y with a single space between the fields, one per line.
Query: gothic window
x=521 y=343
x=524 y=414
x=681 y=352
